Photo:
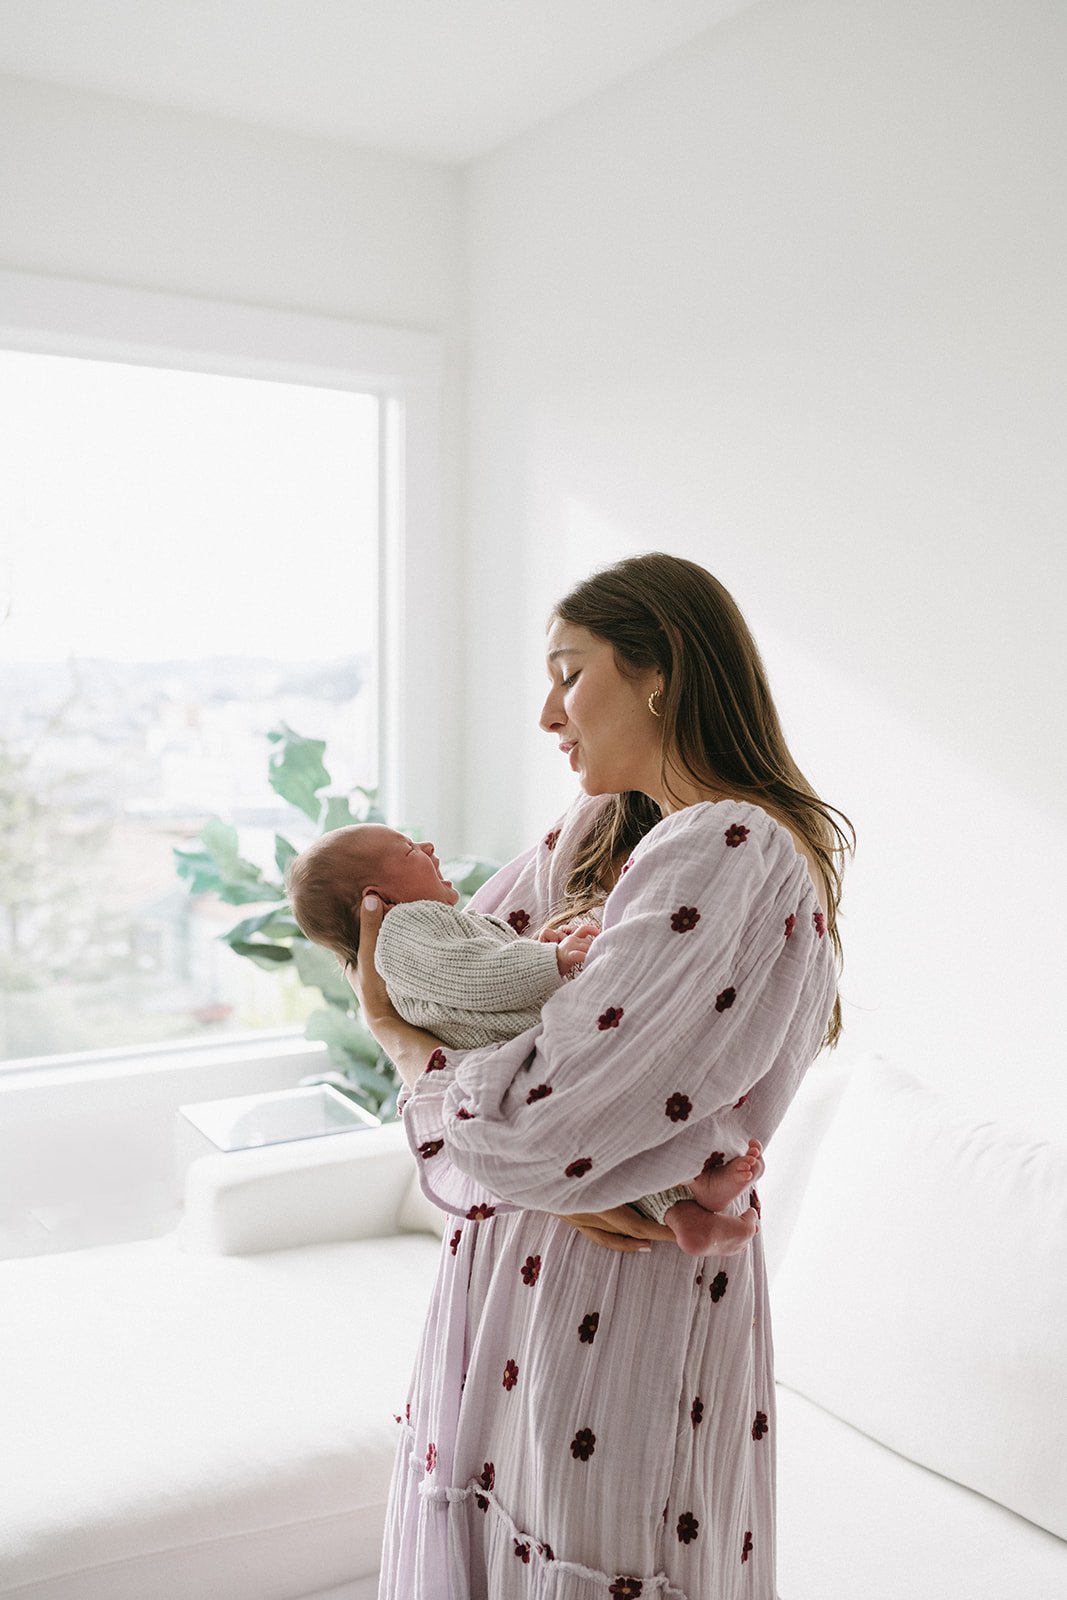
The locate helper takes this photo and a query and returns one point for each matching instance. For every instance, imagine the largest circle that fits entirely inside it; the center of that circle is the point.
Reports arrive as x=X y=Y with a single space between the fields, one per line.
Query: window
x=222 y=518
x=190 y=560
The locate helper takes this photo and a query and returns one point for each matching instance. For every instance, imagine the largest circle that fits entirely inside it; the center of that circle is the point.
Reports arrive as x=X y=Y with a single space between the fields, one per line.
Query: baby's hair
x=325 y=886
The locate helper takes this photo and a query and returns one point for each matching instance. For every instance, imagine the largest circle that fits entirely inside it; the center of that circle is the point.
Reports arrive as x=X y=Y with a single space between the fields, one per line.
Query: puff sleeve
x=712 y=971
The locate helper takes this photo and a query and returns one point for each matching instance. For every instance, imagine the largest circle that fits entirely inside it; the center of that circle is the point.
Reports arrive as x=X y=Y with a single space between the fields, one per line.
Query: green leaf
x=221 y=868
x=338 y=813
x=274 y=922
x=267 y=956
x=296 y=771
x=469 y=873
x=249 y=894
x=369 y=811
x=318 y=969
x=346 y=1039
x=284 y=852
x=199 y=868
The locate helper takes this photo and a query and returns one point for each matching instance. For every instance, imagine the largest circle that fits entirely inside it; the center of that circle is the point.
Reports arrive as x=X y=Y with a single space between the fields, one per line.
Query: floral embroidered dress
x=585 y=1424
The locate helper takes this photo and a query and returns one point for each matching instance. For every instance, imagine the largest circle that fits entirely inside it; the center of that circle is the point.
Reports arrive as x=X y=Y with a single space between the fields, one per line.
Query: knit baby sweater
x=471 y=980
x=467 y=978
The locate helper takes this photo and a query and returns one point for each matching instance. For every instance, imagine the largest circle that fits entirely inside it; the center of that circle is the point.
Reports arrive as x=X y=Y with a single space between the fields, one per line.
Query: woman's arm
x=711 y=972
x=409 y=1048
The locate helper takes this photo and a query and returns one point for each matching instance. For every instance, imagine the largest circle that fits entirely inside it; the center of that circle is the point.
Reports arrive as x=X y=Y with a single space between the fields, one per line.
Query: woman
x=592 y=1423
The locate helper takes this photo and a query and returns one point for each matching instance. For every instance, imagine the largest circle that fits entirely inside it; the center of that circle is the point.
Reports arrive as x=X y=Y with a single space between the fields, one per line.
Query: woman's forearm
x=408 y=1048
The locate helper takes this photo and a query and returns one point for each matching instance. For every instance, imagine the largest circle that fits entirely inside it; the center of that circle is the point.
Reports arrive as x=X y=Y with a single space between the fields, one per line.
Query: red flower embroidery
x=820 y=922
x=453 y=1243
x=511 y=1375
x=579 y=1168
x=436 y=1063
x=609 y=1018
x=487 y=1478
x=397 y=1418
x=746 y=1547
x=407 y=1411
x=790 y=924
x=481 y=1213
x=519 y=920
x=685 y=919
x=724 y=1001
x=588 y=1326
x=688 y=1527
x=583 y=1444
x=430 y=1148
x=547 y=1551
x=550 y=839
x=678 y=1107
x=463 y=1115
x=735 y=835
x=522 y=1550
x=718 y=1286
x=699 y=1279
x=696 y=1414
x=753 y=1200
x=531 y=1270
x=626 y=1589
x=742 y=1100
x=626 y=867
x=759 y=1427
x=431 y=1458
x=542 y=1092
x=715 y=1160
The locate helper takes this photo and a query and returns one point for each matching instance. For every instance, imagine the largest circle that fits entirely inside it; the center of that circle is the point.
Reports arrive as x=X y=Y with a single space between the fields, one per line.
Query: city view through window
x=186 y=562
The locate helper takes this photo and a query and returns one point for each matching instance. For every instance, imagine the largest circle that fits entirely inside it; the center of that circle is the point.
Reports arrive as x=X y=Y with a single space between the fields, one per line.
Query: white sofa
x=210 y=1416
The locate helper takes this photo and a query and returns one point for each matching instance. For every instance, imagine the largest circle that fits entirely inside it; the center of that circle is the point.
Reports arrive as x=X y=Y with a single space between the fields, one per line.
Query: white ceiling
x=446 y=80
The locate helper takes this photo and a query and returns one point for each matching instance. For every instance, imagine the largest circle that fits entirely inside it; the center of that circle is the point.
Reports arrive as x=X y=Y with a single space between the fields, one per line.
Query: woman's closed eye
x=573 y=679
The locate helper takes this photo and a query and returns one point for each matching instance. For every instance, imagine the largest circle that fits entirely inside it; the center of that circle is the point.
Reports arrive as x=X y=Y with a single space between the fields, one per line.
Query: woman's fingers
x=621 y=1228
x=365 y=978
x=612 y=1241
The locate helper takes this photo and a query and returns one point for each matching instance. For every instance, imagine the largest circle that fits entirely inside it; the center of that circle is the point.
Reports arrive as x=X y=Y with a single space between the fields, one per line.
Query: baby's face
x=404 y=870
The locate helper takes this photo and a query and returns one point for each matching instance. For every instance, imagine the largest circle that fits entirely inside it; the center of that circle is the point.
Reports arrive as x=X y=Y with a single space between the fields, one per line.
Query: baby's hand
x=573 y=948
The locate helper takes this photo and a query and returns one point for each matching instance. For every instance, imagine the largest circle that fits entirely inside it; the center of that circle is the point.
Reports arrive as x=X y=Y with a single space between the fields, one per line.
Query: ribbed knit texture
x=467 y=978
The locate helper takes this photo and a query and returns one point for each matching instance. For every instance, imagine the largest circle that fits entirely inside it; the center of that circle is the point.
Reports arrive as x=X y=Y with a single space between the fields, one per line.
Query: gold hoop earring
x=654 y=696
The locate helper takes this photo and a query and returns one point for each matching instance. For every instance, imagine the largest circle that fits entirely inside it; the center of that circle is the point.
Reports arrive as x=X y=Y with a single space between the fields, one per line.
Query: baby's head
x=327 y=881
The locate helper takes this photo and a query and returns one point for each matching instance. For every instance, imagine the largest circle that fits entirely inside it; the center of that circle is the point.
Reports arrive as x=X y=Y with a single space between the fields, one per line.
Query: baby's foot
x=709 y=1233
x=718 y=1187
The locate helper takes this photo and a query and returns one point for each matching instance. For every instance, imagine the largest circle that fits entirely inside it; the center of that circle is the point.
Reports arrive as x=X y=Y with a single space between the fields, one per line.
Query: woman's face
x=600 y=716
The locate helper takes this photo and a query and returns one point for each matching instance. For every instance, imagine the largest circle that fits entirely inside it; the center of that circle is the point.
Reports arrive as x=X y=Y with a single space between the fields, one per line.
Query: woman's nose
x=552 y=712
x=428 y=847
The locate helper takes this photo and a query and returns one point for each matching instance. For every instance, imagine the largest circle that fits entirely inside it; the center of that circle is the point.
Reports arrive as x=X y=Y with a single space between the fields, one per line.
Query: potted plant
x=271 y=937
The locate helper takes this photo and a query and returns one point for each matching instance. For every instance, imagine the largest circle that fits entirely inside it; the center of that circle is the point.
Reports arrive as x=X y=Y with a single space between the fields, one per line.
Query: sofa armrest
x=312 y=1191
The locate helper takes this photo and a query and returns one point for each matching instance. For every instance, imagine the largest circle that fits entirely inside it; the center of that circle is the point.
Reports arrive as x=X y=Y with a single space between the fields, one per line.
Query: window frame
x=418 y=581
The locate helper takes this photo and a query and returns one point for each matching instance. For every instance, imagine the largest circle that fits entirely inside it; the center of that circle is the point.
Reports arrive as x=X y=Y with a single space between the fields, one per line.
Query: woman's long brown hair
x=720 y=727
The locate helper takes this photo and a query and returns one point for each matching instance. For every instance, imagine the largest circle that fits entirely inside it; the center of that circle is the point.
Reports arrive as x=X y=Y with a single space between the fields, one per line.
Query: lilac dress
x=584 y=1424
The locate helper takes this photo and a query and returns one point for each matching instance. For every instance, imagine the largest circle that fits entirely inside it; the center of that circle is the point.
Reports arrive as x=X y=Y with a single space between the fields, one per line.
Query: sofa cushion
x=194 y=1425
x=924 y=1295
x=856 y=1520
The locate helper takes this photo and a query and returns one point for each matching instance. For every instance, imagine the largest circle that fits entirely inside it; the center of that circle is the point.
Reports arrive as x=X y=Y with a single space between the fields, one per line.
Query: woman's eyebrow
x=564 y=650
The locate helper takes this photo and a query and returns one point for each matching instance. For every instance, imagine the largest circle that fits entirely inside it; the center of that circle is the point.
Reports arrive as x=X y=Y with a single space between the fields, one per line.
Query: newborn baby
x=472 y=980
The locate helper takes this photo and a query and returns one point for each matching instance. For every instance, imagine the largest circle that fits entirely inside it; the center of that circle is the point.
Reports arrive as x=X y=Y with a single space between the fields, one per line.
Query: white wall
x=790 y=302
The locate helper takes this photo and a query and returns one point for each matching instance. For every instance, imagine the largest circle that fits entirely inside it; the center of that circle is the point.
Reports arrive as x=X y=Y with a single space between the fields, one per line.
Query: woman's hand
x=364 y=977
x=408 y=1048
x=622 y=1228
